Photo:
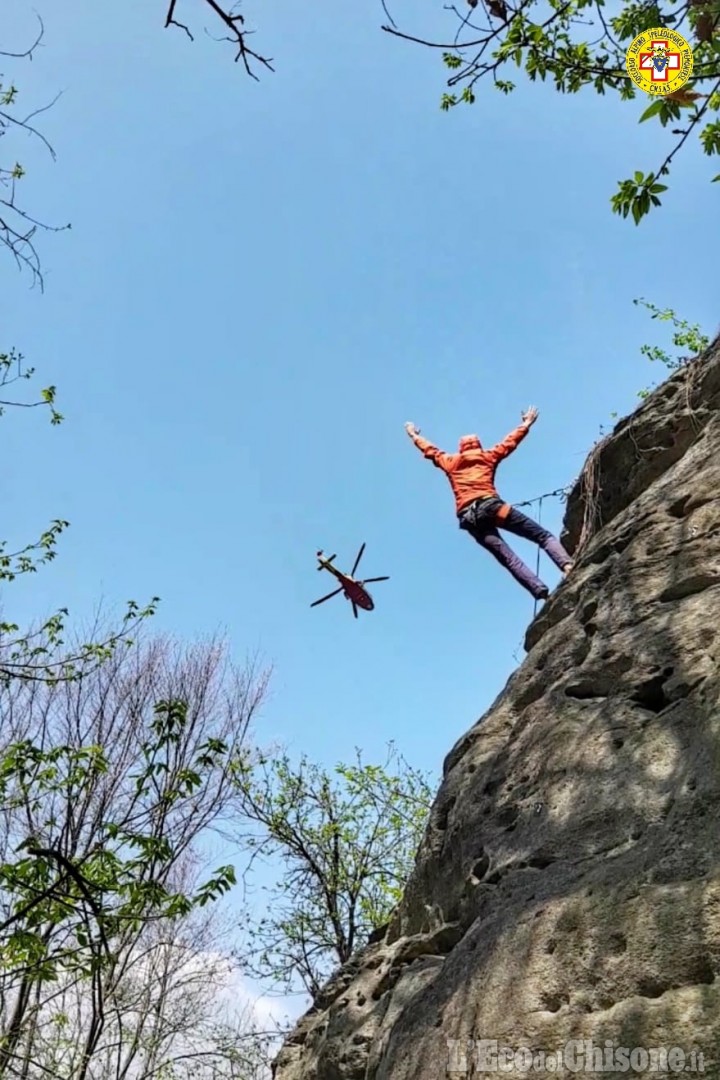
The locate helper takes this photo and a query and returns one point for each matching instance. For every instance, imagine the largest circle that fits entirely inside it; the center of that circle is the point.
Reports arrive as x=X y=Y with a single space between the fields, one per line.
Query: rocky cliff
x=568 y=885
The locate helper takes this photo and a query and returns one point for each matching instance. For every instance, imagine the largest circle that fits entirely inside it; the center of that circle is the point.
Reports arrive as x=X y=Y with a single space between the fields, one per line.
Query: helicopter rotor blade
x=359 y=557
x=368 y=580
x=354 y=609
x=321 y=567
x=328 y=597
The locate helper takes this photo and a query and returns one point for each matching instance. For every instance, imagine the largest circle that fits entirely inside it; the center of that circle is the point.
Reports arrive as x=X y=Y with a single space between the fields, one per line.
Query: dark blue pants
x=482 y=520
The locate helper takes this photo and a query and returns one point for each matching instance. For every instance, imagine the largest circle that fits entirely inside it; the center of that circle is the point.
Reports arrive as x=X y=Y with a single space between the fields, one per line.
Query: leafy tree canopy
x=572 y=43
x=580 y=43
x=346 y=840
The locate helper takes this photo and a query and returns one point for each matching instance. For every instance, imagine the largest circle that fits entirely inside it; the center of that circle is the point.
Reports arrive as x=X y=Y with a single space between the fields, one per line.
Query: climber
x=480 y=509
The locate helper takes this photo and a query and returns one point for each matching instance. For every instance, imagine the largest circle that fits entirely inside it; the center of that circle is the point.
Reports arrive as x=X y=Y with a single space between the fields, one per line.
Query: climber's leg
x=521 y=525
x=490 y=539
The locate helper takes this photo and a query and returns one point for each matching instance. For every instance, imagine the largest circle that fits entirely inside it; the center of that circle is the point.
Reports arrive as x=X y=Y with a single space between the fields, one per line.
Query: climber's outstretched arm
x=438 y=457
x=513 y=440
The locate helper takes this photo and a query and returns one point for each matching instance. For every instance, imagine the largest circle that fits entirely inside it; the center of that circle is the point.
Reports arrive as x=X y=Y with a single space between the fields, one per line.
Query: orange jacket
x=471 y=471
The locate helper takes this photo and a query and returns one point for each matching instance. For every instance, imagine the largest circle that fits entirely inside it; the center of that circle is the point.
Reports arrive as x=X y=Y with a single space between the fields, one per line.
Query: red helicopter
x=354 y=591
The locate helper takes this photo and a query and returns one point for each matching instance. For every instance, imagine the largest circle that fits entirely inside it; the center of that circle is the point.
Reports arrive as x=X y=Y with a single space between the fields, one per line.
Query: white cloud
x=269 y=1010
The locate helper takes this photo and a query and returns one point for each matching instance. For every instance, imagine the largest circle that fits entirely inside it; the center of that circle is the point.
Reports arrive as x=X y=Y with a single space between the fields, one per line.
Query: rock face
x=568 y=885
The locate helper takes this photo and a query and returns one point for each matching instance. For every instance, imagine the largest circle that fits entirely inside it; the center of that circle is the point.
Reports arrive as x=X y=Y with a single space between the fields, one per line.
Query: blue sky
x=262 y=283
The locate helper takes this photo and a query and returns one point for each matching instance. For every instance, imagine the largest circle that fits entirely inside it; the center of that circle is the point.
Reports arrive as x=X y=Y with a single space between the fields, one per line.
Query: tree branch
x=235 y=24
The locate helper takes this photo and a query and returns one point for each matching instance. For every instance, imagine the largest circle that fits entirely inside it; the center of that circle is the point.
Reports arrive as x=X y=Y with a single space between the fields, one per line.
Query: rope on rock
x=558 y=493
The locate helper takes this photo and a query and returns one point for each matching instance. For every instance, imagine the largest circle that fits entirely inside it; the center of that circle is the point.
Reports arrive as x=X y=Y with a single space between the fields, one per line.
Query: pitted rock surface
x=568 y=885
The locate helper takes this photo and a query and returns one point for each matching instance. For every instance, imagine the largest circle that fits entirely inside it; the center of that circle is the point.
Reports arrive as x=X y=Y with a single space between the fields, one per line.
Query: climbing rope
x=537 y=559
x=556 y=494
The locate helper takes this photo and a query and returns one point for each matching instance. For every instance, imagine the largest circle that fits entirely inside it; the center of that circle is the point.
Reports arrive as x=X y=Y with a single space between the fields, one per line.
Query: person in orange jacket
x=480 y=509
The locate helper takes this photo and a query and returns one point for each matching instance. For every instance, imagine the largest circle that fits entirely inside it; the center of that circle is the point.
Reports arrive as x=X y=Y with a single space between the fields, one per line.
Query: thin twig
x=429 y=44
x=238 y=35
x=28 y=52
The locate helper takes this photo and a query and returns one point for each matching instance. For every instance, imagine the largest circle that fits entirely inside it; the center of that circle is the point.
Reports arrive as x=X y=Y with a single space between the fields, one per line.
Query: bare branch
x=28 y=54
x=238 y=35
x=17 y=226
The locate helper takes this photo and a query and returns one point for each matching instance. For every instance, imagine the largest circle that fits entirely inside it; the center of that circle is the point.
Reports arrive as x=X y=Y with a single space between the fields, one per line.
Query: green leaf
x=652 y=110
x=710 y=137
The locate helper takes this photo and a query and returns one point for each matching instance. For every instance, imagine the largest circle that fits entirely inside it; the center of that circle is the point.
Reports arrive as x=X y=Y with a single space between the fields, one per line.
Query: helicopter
x=354 y=591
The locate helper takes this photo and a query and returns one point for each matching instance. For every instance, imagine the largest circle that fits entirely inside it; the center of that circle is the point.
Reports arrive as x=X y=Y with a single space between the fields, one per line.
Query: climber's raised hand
x=530 y=416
